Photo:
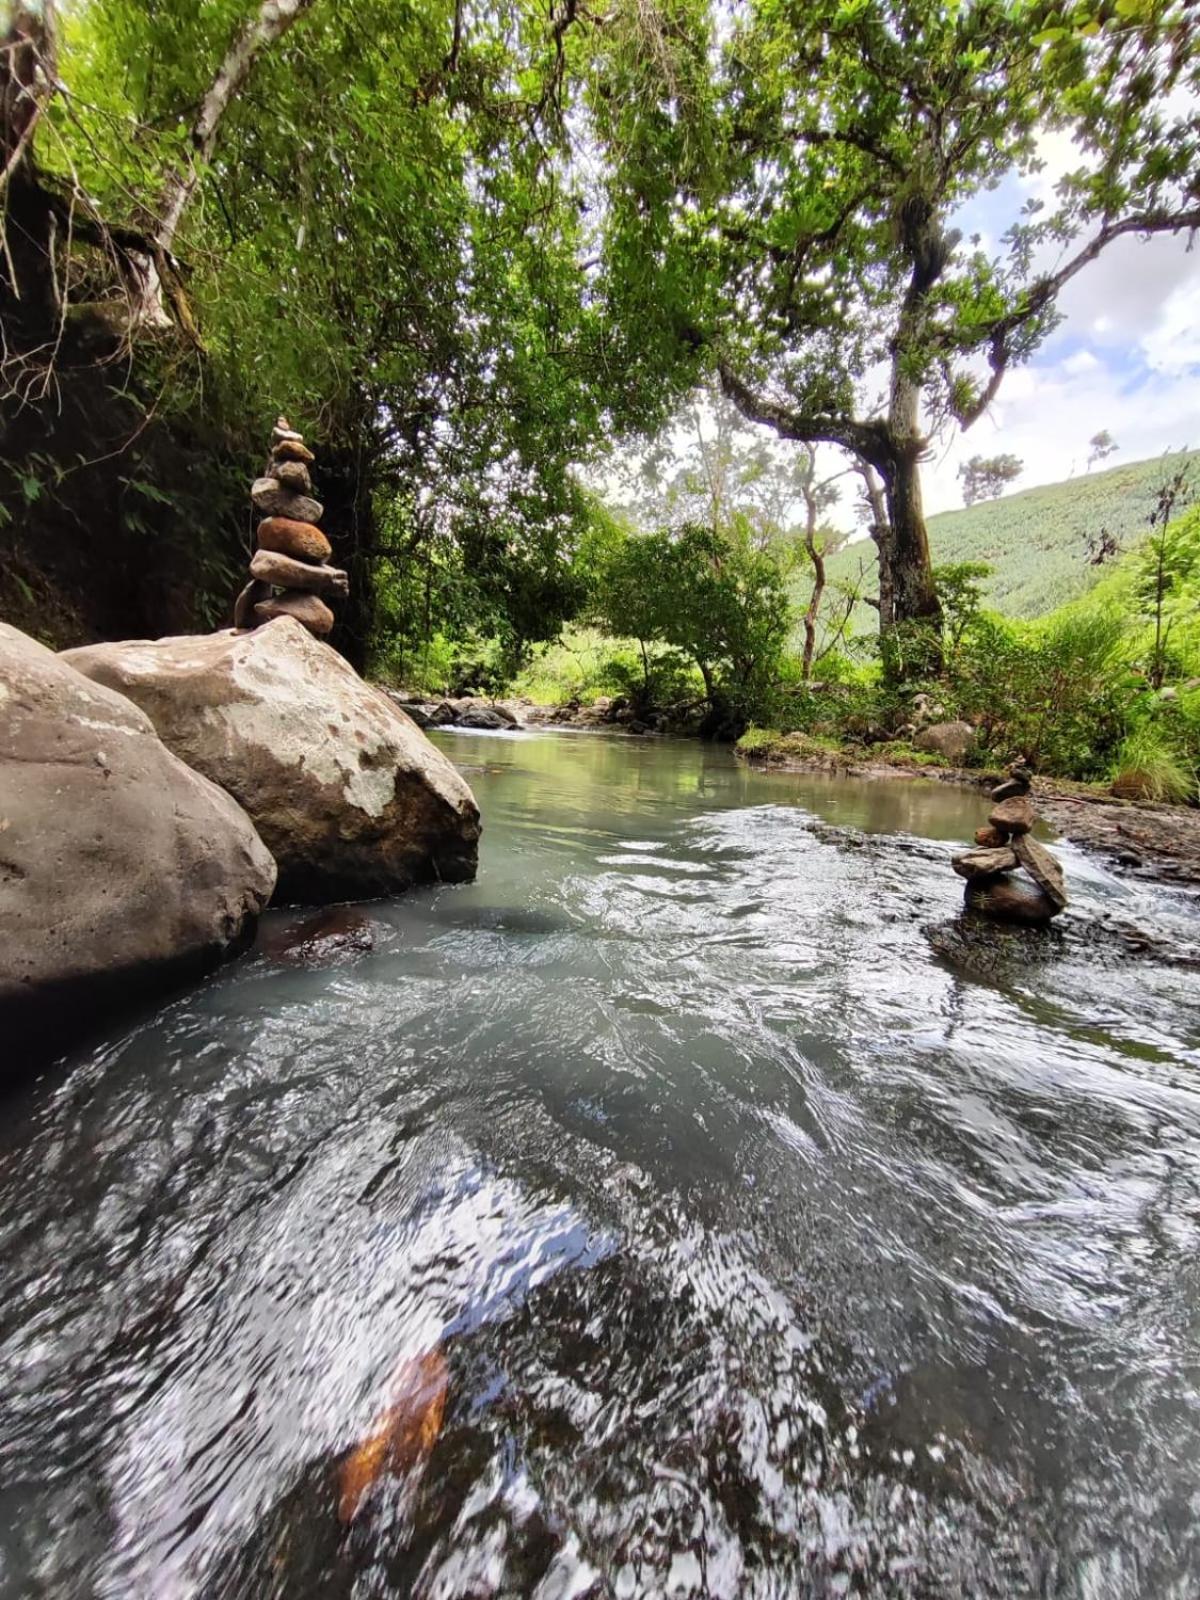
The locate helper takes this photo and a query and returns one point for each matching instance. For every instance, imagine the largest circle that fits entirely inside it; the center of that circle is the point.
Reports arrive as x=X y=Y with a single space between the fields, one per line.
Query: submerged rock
x=337 y=934
x=347 y=793
x=121 y=869
x=401 y=1436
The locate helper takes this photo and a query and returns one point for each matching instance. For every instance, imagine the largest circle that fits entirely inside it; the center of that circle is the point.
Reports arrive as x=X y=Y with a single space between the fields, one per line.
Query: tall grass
x=1147 y=767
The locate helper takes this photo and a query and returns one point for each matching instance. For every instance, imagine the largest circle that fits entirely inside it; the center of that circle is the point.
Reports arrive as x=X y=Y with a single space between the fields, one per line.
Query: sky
x=1126 y=357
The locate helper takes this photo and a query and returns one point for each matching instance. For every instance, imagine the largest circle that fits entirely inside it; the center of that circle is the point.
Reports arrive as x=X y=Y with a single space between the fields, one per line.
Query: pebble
x=294 y=475
x=984 y=863
x=1014 y=815
x=292 y=450
x=285 y=572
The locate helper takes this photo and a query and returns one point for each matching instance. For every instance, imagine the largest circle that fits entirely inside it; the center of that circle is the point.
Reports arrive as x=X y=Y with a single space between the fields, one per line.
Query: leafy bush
x=1054 y=693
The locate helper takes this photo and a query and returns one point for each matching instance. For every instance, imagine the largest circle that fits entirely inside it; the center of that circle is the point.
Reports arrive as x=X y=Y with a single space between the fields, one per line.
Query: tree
x=987 y=477
x=804 y=241
x=1166 y=562
x=1100 y=446
x=723 y=606
x=363 y=215
x=712 y=469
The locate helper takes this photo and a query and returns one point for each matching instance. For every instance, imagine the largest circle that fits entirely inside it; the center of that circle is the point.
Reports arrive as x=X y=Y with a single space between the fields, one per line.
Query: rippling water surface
x=755 y=1251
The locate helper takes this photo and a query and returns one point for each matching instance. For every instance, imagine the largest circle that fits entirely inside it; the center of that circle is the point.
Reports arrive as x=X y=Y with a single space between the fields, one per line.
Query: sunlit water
x=767 y=1256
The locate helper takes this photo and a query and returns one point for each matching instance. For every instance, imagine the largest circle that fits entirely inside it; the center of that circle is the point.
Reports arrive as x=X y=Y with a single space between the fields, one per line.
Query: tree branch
x=1044 y=291
x=866 y=440
x=273 y=19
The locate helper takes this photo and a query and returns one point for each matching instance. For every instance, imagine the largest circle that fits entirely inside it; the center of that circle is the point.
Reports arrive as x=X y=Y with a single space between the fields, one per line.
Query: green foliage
x=960 y=589
x=758 y=741
x=722 y=604
x=1053 y=693
x=787 y=216
x=1148 y=767
x=1165 y=568
x=386 y=244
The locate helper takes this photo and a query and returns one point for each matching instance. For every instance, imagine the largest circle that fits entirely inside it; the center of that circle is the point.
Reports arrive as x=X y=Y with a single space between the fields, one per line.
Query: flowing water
x=754 y=1250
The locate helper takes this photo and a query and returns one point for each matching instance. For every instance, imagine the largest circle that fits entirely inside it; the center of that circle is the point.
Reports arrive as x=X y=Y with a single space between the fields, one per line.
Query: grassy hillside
x=1035 y=541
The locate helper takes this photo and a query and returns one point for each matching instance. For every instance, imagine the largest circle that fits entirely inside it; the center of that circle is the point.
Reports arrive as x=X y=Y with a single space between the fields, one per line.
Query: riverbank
x=1150 y=840
x=1154 y=841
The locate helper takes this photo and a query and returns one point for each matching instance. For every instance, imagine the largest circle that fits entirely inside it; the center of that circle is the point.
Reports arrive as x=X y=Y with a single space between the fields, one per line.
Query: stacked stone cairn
x=290 y=575
x=1006 y=844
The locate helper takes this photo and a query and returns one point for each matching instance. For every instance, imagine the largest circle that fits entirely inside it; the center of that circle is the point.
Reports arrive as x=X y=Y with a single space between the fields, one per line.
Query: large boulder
x=953 y=741
x=348 y=794
x=121 y=869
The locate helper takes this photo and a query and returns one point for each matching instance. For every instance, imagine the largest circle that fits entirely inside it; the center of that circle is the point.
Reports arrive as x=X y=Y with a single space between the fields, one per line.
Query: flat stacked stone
x=1005 y=846
x=290 y=575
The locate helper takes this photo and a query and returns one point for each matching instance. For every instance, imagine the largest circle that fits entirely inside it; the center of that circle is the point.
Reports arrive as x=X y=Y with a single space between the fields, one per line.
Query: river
x=762 y=1252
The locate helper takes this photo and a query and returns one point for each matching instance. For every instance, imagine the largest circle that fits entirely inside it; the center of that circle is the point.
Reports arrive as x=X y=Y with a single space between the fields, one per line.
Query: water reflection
x=762 y=1253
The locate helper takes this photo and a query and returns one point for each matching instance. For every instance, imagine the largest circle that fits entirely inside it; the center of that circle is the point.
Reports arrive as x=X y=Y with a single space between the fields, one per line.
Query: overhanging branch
x=866 y=440
x=1043 y=292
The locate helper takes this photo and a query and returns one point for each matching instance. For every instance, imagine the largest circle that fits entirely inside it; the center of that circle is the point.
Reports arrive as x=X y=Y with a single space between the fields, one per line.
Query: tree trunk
x=818 y=565
x=913 y=597
x=29 y=284
x=881 y=538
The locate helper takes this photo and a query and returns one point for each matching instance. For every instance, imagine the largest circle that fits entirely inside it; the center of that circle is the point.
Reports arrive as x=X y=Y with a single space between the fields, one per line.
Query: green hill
x=1034 y=541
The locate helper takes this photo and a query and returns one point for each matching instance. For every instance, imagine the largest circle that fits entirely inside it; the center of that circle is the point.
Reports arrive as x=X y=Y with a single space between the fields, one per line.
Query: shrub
x=1148 y=767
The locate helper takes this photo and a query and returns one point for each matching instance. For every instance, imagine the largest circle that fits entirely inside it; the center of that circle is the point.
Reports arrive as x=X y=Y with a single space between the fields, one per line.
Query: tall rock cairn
x=290 y=575
x=1006 y=844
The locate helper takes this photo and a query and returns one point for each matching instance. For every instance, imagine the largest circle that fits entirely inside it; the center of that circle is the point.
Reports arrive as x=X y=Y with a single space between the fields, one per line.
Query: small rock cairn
x=1004 y=845
x=290 y=575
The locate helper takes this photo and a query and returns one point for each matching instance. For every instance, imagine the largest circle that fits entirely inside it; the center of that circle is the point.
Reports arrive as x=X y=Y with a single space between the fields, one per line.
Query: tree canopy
x=783 y=204
x=467 y=244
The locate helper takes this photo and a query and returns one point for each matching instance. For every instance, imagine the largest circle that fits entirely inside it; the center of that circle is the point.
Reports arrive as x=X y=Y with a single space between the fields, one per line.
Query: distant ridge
x=1036 y=540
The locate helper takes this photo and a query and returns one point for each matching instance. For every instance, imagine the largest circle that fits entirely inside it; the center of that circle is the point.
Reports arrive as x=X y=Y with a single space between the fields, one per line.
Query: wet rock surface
x=1153 y=841
x=337 y=934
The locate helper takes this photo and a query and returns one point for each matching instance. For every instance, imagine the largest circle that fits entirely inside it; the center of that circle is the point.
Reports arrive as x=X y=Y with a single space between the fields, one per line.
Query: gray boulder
x=121 y=869
x=477 y=716
x=348 y=794
x=953 y=741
